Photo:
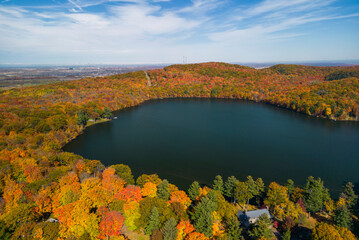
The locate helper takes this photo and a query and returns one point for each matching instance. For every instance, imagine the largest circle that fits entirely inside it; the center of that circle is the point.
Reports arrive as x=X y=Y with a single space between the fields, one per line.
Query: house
x=249 y=217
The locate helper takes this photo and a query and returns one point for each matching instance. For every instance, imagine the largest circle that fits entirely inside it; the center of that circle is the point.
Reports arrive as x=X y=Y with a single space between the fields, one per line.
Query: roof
x=257 y=213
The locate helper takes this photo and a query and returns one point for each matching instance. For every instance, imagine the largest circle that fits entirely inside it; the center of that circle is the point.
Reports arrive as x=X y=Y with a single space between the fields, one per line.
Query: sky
x=164 y=31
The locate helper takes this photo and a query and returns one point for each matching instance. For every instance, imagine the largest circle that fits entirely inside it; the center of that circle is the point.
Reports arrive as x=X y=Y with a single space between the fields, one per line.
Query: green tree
x=315 y=194
x=203 y=216
x=4 y=232
x=146 y=206
x=169 y=229
x=290 y=186
x=162 y=190
x=106 y=113
x=82 y=118
x=124 y=172
x=154 y=221
x=218 y=183
x=262 y=228
x=233 y=229
x=286 y=235
x=256 y=188
x=242 y=193
x=349 y=194
x=342 y=217
x=252 y=186
x=229 y=186
x=194 y=190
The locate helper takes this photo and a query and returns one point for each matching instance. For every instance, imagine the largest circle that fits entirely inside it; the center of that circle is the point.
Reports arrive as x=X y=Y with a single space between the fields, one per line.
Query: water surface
x=194 y=139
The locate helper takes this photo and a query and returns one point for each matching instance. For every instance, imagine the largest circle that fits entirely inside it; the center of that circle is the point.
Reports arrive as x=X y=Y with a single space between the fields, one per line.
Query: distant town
x=19 y=76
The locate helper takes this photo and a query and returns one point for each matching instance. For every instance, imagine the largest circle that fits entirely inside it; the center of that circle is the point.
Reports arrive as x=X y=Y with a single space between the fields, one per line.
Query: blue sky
x=163 y=31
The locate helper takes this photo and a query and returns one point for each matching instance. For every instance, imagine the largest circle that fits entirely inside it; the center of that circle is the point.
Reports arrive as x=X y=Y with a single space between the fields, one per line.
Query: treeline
x=90 y=201
x=39 y=182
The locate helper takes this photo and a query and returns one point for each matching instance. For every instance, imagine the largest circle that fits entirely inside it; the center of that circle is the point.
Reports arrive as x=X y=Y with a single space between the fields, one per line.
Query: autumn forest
x=47 y=193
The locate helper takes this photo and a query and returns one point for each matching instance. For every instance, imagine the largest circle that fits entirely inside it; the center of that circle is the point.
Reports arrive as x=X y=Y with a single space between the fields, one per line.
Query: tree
x=106 y=113
x=218 y=183
x=180 y=197
x=82 y=118
x=233 y=229
x=349 y=195
x=345 y=233
x=184 y=229
x=111 y=224
x=202 y=215
x=286 y=235
x=157 y=235
x=169 y=229
x=262 y=228
x=242 y=193
x=342 y=217
x=324 y=231
x=194 y=191
x=315 y=194
x=288 y=223
x=124 y=172
x=131 y=213
x=229 y=186
x=149 y=189
x=162 y=190
x=276 y=195
x=153 y=178
x=255 y=187
x=154 y=221
x=146 y=206
x=290 y=186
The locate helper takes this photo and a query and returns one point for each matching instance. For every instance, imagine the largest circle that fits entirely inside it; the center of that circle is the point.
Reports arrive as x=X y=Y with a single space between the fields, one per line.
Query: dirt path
x=148 y=79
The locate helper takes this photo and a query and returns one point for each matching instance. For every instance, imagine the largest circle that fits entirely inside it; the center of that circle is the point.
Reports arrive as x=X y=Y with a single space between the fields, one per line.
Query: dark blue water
x=189 y=139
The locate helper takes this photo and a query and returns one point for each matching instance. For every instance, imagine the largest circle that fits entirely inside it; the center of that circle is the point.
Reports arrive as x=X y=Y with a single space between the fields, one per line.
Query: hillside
x=89 y=201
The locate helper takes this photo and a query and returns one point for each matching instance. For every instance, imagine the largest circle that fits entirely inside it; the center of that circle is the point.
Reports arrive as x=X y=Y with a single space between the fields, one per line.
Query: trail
x=148 y=79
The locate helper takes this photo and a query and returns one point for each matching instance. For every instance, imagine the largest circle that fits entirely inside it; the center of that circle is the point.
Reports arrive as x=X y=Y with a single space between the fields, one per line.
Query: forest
x=47 y=193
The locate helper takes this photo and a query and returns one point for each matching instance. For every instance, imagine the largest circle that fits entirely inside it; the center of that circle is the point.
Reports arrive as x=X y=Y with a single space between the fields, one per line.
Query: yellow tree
x=149 y=190
x=276 y=195
x=325 y=231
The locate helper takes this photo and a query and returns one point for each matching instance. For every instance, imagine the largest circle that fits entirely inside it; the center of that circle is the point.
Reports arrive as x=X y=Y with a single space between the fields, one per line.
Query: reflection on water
x=191 y=139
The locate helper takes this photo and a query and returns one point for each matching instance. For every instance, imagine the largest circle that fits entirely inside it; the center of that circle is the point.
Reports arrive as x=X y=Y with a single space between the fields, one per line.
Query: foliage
x=110 y=224
x=169 y=230
x=233 y=229
x=325 y=231
x=202 y=215
x=163 y=190
x=124 y=172
x=342 y=217
x=218 y=183
x=349 y=195
x=315 y=194
x=262 y=228
x=286 y=235
x=194 y=190
x=154 y=221
x=229 y=186
x=82 y=118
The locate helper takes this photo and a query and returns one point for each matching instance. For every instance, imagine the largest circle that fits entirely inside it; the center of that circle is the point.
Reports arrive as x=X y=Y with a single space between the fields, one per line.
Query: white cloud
x=141 y=30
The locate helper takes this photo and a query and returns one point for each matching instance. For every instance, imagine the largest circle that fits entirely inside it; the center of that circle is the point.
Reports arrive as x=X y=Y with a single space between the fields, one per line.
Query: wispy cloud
x=268 y=19
x=161 y=29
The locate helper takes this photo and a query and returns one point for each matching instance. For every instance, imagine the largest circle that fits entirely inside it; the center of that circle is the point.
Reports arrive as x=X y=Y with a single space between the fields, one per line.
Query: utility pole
x=184 y=60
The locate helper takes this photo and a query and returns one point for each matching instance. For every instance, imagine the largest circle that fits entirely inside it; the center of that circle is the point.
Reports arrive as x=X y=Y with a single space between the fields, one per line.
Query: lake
x=184 y=140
